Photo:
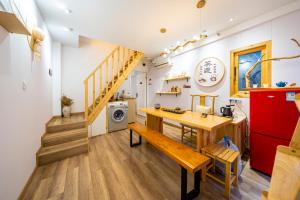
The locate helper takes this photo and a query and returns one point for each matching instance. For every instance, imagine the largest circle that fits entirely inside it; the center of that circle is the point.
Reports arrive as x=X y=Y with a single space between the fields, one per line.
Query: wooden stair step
x=58 y=124
x=58 y=152
x=64 y=136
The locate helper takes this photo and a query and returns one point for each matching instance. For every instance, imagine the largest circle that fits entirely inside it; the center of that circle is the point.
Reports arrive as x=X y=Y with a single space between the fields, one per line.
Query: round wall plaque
x=209 y=72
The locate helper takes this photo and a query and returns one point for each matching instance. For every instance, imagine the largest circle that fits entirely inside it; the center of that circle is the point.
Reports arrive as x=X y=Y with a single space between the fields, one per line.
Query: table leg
x=235 y=136
x=205 y=138
x=212 y=136
x=199 y=139
x=155 y=123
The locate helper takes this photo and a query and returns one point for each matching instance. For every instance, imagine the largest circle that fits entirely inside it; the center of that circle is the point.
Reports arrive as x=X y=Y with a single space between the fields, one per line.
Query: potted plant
x=66 y=103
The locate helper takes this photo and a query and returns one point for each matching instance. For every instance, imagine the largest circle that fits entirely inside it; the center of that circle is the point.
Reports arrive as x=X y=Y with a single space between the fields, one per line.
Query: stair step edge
x=52 y=139
x=65 y=133
x=65 y=127
x=61 y=147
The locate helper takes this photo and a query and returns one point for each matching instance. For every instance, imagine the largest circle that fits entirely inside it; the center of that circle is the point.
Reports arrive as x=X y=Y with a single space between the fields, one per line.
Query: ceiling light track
x=185 y=44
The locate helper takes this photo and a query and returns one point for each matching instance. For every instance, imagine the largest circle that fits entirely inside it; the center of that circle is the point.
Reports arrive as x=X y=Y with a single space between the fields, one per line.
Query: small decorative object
x=254 y=85
x=186 y=86
x=281 y=84
x=172 y=89
x=209 y=72
x=176 y=89
x=176 y=110
x=157 y=106
x=66 y=103
x=292 y=84
x=37 y=36
x=204 y=115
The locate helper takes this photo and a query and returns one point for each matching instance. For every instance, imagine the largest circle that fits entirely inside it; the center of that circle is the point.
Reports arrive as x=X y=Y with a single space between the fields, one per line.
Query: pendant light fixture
x=201 y=4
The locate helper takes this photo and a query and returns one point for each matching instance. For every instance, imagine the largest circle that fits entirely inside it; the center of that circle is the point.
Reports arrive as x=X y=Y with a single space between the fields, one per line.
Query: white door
x=141 y=88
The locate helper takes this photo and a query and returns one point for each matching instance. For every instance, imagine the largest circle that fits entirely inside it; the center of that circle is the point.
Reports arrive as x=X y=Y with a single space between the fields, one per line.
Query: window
x=241 y=62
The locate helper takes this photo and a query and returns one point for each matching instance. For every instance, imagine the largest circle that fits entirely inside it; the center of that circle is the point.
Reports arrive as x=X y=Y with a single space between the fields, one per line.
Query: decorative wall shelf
x=168 y=93
x=177 y=78
x=12 y=24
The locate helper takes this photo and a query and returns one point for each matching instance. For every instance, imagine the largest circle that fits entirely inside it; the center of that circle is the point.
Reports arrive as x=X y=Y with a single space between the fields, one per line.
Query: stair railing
x=105 y=74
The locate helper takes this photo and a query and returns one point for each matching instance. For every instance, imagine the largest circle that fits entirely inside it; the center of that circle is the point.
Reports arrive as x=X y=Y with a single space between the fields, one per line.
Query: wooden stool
x=226 y=156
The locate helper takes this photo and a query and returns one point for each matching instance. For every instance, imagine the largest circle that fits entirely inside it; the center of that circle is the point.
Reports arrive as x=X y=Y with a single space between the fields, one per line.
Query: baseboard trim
x=22 y=194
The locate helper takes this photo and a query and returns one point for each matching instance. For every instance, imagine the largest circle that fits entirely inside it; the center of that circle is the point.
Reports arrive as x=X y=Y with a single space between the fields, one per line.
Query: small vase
x=66 y=111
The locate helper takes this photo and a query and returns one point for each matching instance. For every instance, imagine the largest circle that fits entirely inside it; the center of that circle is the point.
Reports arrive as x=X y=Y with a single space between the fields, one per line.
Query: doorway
x=141 y=91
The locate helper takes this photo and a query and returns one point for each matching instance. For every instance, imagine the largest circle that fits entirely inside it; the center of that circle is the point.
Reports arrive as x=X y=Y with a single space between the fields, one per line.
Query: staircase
x=64 y=137
x=106 y=79
x=67 y=137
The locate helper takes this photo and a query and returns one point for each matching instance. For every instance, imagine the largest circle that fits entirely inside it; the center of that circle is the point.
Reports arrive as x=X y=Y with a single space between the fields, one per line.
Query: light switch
x=24 y=85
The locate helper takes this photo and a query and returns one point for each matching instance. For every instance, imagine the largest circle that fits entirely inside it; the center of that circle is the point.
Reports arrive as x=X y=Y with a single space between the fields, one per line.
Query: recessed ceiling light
x=163 y=30
x=231 y=20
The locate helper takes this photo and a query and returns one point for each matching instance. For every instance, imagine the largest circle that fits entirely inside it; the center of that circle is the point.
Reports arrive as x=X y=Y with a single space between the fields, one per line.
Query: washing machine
x=117 y=115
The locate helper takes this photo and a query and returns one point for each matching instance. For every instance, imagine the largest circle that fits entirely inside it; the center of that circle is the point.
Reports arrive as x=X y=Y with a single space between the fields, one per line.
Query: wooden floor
x=113 y=170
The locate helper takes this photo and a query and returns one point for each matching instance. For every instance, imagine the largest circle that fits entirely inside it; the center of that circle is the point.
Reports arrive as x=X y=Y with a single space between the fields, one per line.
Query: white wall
x=77 y=64
x=280 y=31
x=56 y=77
x=23 y=113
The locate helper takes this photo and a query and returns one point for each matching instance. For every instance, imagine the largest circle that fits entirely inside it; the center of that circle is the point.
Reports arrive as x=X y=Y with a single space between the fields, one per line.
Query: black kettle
x=226 y=111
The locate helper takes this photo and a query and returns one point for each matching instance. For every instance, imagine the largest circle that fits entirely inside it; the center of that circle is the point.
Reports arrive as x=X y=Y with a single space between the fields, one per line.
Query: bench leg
x=195 y=192
x=134 y=144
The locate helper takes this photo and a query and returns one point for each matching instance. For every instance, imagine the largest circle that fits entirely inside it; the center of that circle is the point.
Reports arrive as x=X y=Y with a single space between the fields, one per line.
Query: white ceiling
x=136 y=23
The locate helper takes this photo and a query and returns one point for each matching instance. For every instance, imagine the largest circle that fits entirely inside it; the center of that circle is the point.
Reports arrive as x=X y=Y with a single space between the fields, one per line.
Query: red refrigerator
x=273 y=118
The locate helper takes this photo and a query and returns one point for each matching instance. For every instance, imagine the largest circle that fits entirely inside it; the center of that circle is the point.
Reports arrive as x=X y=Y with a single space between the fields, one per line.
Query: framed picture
x=209 y=72
x=242 y=76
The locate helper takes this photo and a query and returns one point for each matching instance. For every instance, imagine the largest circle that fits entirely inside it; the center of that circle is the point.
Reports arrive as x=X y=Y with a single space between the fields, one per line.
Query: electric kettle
x=226 y=111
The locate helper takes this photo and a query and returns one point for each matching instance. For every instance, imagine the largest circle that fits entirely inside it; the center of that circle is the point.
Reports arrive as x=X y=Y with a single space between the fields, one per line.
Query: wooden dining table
x=205 y=127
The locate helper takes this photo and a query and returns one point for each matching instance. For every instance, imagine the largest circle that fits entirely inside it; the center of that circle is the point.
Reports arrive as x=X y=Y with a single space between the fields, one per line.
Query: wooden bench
x=186 y=157
x=226 y=156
